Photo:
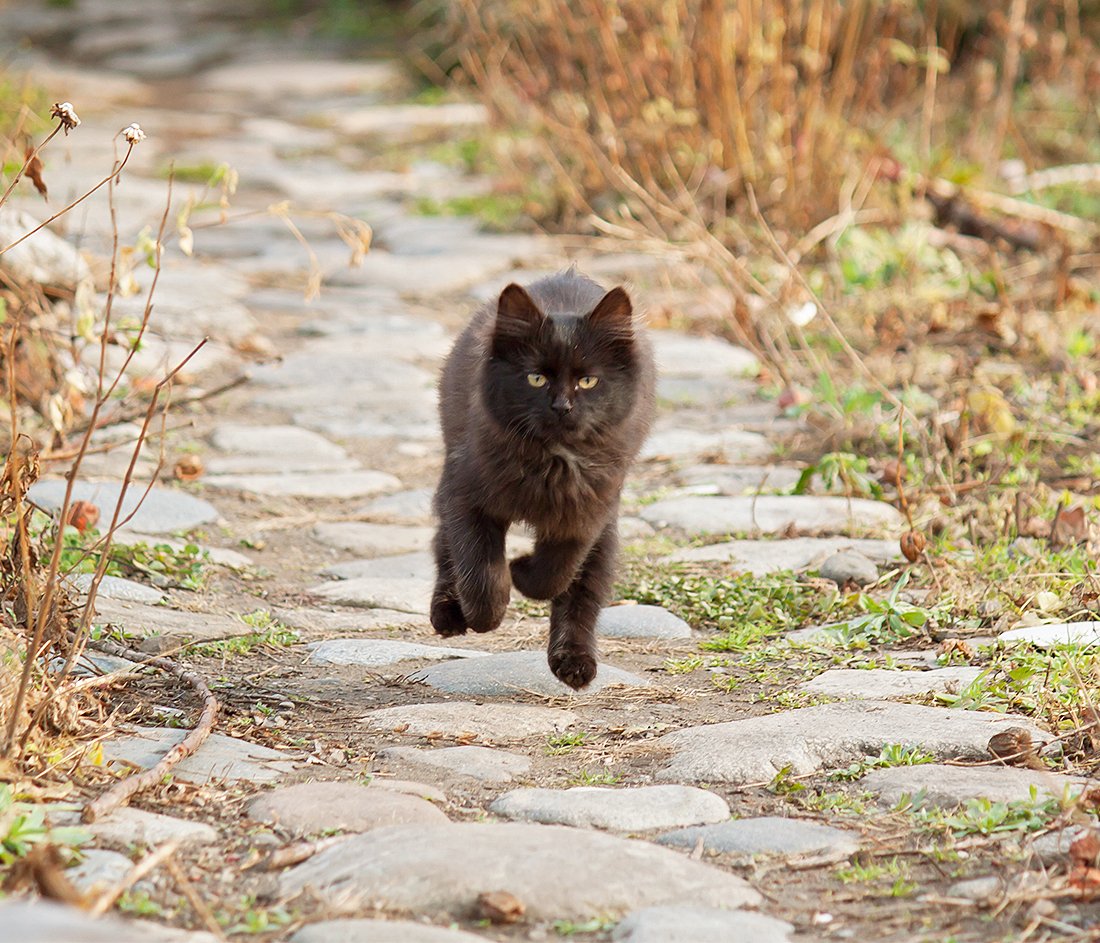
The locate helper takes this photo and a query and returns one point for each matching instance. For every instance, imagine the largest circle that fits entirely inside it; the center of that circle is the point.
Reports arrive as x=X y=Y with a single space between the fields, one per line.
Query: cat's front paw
x=574 y=667
x=447 y=618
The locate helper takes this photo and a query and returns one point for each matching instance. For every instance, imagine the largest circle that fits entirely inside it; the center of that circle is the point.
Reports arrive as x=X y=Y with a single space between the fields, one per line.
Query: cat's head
x=563 y=362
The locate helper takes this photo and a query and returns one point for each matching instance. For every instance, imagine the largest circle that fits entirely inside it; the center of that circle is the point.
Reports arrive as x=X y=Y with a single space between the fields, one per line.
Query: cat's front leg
x=550 y=570
x=478 y=568
x=572 y=648
x=446 y=611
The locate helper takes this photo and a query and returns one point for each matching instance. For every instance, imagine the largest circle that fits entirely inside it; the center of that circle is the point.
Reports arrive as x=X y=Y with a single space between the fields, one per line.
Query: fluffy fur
x=530 y=437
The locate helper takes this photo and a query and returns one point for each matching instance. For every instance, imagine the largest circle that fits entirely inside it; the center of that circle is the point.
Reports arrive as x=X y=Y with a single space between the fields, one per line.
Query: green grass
x=498 y=212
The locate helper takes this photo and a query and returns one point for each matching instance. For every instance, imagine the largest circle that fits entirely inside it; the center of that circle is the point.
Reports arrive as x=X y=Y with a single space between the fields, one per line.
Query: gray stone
x=295 y=463
x=979 y=889
x=162 y=511
x=241 y=439
x=686 y=923
x=432 y=870
x=98 y=869
x=42 y=921
x=1051 y=848
x=1080 y=634
x=634 y=528
x=828 y=736
x=730 y=446
x=379 y=931
x=371 y=592
x=397 y=121
x=680 y=355
x=221 y=556
x=373 y=653
x=418 y=565
x=410 y=275
x=480 y=763
x=349 y=620
x=885 y=683
x=169 y=628
x=127 y=826
x=352 y=484
x=44 y=258
x=508 y=673
x=280 y=78
x=405 y=507
x=950 y=786
x=312 y=808
x=465 y=720
x=767 y=835
x=738 y=479
x=372 y=540
x=628 y=809
x=409 y=787
x=219 y=757
x=849 y=567
x=336 y=372
x=640 y=622
x=770 y=514
x=759 y=557
x=115 y=587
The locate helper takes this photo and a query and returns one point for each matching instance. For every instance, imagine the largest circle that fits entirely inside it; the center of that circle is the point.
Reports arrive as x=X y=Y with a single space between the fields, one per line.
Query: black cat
x=545 y=399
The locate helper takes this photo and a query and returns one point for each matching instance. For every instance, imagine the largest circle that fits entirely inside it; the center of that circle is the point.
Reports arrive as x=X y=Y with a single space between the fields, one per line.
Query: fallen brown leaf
x=500 y=907
x=188 y=468
x=34 y=171
x=82 y=515
x=1013 y=746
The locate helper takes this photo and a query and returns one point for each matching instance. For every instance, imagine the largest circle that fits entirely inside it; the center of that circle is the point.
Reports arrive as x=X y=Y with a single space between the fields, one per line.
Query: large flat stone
x=950 y=786
x=402 y=594
x=126 y=826
x=737 y=479
x=418 y=565
x=281 y=78
x=219 y=757
x=826 y=737
x=1076 y=634
x=558 y=872
x=311 y=808
x=687 y=923
x=730 y=446
x=628 y=809
x=885 y=683
x=98 y=870
x=760 y=557
x=404 y=507
x=170 y=627
x=373 y=540
x=640 y=622
x=767 y=835
x=161 y=512
x=373 y=652
x=508 y=673
x=115 y=587
x=379 y=931
x=770 y=514
x=348 y=620
x=239 y=439
x=681 y=355
x=480 y=763
x=349 y=484
x=42 y=921
x=463 y=719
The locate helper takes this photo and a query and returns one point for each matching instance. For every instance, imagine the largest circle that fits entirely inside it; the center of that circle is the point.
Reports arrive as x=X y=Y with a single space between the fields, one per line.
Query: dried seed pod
x=188 y=468
x=1085 y=848
x=82 y=515
x=1013 y=746
x=500 y=907
x=912 y=545
x=956 y=646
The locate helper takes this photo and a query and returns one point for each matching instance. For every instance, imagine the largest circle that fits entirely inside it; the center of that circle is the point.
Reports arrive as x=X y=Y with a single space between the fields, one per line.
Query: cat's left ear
x=518 y=317
x=614 y=313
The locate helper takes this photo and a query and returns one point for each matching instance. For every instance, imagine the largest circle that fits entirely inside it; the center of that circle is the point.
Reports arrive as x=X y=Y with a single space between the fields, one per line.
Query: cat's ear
x=518 y=316
x=614 y=313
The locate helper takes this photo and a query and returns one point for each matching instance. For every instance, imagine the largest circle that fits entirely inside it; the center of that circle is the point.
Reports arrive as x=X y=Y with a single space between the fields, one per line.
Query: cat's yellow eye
x=586 y=383
x=536 y=379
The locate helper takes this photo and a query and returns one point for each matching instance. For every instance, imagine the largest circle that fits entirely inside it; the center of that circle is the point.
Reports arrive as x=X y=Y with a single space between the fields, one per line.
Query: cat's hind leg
x=572 y=649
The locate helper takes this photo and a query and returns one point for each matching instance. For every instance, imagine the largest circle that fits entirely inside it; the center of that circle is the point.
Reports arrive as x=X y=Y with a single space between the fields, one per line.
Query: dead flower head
x=133 y=134
x=63 y=112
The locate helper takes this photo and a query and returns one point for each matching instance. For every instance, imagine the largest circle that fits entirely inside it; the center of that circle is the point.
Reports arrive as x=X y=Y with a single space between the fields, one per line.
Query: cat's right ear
x=518 y=317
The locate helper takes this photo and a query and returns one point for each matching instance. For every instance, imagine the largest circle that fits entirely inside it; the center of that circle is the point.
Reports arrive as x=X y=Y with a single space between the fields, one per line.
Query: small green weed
x=272 y=634
x=499 y=212
x=572 y=928
x=585 y=778
x=140 y=904
x=252 y=919
x=564 y=743
x=982 y=816
x=889 y=620
x=23 y=825
x=874 y=872
x=841 y=471
x=893 y=754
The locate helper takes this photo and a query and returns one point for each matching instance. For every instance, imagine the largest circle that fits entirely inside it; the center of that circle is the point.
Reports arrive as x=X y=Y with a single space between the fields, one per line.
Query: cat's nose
x=561 y=404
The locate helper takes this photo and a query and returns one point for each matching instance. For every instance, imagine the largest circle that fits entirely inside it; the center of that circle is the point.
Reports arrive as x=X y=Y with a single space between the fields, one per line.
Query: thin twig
x=107 y=899
x=121 y=793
